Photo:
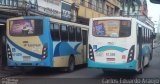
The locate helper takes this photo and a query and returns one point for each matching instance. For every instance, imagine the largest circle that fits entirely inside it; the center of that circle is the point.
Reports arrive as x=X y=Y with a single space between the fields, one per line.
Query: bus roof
x=121 y=18
x=66 y=22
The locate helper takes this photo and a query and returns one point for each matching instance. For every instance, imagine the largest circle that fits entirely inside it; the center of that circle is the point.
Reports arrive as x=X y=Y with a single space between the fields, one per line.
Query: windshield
x=26 y=27
x=112 y=28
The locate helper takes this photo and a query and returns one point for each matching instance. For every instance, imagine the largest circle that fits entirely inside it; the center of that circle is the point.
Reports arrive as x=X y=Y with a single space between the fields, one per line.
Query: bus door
x=85 y=42
x=140 y=41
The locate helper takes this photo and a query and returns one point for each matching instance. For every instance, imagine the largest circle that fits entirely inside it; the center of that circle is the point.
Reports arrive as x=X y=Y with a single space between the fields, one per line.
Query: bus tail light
x=91 y=54
x=9 y=53
x=44 y=52
x=131 y=54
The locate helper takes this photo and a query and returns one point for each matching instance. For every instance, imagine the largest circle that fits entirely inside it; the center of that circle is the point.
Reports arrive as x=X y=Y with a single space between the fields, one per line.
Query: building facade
x=95 y=8
x=137 y=9
x=70 y=10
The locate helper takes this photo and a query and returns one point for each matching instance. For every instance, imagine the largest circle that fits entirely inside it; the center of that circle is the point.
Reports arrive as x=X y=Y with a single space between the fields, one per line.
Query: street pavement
x=84 y=74
x=9 y=71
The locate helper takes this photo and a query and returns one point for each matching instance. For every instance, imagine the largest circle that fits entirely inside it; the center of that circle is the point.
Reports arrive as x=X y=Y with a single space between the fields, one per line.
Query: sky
x=153 y=11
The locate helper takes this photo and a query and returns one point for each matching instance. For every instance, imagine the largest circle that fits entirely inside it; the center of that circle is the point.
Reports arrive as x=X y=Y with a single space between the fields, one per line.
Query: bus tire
x=148 y=64
x=142 y=67
x=71 y=64
x=105 y=71
x=149 y=60
x=151 y=55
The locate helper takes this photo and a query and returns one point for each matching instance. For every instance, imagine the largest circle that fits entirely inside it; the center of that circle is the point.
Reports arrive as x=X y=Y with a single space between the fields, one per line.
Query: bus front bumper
x=130 y=66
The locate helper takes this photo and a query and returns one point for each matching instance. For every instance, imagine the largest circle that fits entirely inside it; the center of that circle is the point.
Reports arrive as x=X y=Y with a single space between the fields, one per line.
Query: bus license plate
x=26 y=58
x=110 y=59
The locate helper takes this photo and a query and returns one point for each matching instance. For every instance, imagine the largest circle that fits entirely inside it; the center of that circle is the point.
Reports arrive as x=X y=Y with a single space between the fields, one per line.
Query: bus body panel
x=63 y=50
x=27 y=51
x=147 y=48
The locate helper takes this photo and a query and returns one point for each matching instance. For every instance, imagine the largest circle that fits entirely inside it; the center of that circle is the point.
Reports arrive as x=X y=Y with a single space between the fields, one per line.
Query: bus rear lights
x=91 y=54
x=44 y=52
x=43 y=56
x=91 y=58
x=10 y=57
x=9 y=53
x=44 y=48
x=130 y=59
x=131 y=54
x=8 y=49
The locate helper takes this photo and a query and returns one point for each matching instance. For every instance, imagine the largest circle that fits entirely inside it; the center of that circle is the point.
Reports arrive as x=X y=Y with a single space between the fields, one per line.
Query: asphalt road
x=83 y=73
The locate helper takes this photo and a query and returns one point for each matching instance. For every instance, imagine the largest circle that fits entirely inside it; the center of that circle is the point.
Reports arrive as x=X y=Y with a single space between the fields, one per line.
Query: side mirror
x=155 y=1
x=153 y=36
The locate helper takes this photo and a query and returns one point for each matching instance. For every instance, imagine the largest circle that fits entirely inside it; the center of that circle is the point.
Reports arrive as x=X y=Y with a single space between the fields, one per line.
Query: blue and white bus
x=38 y=41
x=119 y=43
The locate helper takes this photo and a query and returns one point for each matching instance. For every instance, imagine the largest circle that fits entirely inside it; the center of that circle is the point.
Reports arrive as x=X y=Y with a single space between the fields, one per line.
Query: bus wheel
x=149 y=61
x=142 y=67
x=71 y=64
x=148 y=64
x=151 y=56
x=105 y=71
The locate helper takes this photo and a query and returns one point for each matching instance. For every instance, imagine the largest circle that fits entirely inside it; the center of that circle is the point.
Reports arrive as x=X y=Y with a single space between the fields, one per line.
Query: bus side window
x=55 y=32
x=143 y=35
x=64 y=32
x=71 y=33
x=148 y=35
x=140 y=35
x=78 y=34
x=150 y=39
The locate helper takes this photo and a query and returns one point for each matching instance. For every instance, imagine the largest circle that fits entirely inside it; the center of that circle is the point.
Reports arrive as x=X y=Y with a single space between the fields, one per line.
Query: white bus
x=119 y=43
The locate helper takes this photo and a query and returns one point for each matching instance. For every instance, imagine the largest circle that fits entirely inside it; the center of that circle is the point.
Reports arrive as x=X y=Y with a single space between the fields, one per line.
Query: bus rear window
x=112 y=28
x=26 y=27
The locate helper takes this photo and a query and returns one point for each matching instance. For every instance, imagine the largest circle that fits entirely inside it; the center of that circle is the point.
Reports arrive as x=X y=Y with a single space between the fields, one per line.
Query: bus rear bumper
x=129 y=66
x=29 y=64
